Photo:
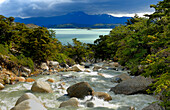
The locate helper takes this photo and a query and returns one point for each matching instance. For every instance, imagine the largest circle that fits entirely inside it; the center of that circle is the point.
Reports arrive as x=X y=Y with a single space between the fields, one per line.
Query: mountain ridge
x=73 y=18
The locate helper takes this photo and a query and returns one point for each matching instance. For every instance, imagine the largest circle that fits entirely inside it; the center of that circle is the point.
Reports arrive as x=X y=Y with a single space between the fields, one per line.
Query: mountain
x=79 y=18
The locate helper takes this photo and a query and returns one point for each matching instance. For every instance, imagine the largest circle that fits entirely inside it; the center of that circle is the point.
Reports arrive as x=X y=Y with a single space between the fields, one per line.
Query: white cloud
x=130 y=14
x=1 y=1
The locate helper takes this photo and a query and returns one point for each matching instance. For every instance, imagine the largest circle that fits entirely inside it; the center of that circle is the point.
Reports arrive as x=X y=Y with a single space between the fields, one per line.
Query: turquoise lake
x=84 y=35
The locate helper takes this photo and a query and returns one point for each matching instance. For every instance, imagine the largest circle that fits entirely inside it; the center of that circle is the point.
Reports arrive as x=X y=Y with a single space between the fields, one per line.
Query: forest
x=142 y=46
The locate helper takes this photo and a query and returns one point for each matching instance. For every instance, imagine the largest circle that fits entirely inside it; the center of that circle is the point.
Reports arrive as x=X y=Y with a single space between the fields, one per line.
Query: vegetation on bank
x=142 y=45
x=19 y=42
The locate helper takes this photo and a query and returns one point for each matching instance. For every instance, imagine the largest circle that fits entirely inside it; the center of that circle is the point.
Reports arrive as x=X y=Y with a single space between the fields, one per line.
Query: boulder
x=29 y=104
x=44 y=66
x=20 y=79
x=27 y=70
x=100 y=74
x=87 y=70
x=73 y=102
x=82 y=63
x=103 y=95
x=126 y=108
x=27 y=96
x=2 y=81
x=111 y=65
x=116 y=64
x=1 y=68
x=89 y=104
x=96 y=67
x=136 y=85
x=7 y=80
x=64 y=65
x=40 y=86
x=80 y=90
x=29 y=80
x=76 y=68
x=1 y=86
x=87 y=65
x=53 y=63
x=51 y=80
x=121 y=77
x=154 y=106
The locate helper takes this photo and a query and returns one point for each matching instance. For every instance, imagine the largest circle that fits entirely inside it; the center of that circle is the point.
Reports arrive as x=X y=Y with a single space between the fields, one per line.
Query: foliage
x=142 y=45
x=18 y=60
x=79 y=51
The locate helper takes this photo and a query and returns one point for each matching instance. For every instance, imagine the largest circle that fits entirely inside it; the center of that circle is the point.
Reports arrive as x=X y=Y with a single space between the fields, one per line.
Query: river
x=11 y=93
x=84 y=35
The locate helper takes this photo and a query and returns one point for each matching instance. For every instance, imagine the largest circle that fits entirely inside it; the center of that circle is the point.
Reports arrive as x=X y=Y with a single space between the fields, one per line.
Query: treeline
x=142 y=45
x=23 y=46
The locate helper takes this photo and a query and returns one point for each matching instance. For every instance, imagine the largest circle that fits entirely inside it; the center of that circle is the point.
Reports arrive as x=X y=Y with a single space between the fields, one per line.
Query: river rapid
x=11 y=93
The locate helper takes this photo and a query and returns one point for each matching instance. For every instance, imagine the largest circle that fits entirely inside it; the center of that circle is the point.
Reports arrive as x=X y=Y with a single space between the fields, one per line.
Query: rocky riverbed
x=102 y=86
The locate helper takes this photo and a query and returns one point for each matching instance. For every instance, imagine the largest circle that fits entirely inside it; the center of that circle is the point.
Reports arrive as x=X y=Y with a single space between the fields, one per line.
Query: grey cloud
x=26 y=8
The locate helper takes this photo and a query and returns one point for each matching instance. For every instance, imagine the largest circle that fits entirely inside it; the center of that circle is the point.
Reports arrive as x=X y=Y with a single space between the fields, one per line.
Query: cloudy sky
x=36 y=8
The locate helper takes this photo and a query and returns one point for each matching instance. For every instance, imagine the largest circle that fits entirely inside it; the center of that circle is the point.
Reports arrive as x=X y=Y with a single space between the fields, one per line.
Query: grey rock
x=126 y=108
x=96 y=67
x=121 y=77
x=136 y=85
x=154 y=106
x=80 y=90
x=89 y=104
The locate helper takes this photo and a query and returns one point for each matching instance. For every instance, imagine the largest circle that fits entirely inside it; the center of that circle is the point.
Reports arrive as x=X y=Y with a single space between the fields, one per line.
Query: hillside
x=80 y=18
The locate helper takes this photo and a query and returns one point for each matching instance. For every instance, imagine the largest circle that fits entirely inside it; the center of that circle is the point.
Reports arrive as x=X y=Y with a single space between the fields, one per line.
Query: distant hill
x=86 y=26
x=76 y=18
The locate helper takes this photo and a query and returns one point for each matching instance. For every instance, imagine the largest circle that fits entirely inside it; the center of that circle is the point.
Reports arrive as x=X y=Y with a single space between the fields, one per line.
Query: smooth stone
x=29 y=80
x=1 y=86
x=29 y=104
x=121 y=77
x=100 y=74
x=40 y=86
x=23 y=74
x=53 y=63
x=25 y=69
x=103 y=95
x=80 y=90
x=89 y=104
x=96 y=67
x=44 y=66
x=20 y=79
x=126 y=108
x=27 y=96
x=51 y=80
x=73 y=102
x=77 y=68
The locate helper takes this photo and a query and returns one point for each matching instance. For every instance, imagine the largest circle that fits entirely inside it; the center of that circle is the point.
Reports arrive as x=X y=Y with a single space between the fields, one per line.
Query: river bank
x=101 y=77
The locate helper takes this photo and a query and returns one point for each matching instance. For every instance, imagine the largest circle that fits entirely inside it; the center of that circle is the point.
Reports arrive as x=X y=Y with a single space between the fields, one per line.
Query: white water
x=11 y=93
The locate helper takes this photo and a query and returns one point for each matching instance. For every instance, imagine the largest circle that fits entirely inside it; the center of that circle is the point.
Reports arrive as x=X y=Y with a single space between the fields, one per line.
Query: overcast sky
x=36 y=8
